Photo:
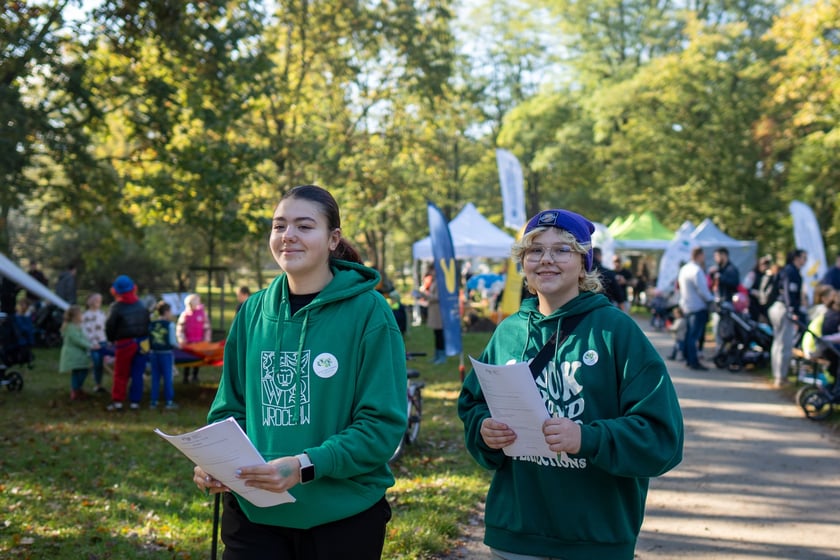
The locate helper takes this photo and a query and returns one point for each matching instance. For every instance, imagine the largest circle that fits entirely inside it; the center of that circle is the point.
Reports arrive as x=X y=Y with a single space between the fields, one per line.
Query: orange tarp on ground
x=201 y=354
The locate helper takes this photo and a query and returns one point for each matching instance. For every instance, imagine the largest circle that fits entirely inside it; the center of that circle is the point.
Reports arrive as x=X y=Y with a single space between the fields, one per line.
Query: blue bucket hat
x=123 y=284
x=580 y=228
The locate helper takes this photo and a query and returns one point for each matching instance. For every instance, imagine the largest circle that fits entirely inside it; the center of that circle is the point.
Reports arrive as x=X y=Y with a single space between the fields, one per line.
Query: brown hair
x=162 y=308
x=329 y=208
x=72 y=313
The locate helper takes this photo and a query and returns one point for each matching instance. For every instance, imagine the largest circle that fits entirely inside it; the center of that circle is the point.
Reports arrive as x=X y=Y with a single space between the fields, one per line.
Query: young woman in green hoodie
x=314 y=372
x=614 y=416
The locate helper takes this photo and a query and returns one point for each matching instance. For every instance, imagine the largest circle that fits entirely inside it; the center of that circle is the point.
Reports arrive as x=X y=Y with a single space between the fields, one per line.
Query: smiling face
x=94 y=301
x=552 y=275
x=301 y=243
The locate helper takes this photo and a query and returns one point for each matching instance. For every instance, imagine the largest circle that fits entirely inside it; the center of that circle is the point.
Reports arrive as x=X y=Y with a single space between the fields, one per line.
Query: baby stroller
x=16 y=338
x=661 y=309
x=47 y=321
x=743 y=340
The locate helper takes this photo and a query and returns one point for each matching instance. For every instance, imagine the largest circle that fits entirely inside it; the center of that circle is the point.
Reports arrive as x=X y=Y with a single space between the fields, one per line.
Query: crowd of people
x=314 y=373
x=132 y=338
x=769 y=295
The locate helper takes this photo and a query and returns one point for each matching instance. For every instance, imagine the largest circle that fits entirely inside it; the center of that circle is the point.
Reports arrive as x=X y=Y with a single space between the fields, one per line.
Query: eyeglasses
x=560 y=254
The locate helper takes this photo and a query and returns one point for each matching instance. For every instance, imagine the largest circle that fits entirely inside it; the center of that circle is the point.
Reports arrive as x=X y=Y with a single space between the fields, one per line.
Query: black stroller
x=47 y=320
x=661 y=311
x=743 y=340
x=16 y=339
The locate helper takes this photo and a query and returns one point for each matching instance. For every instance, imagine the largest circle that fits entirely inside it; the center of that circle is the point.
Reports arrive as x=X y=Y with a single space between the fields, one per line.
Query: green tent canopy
x=640 y=231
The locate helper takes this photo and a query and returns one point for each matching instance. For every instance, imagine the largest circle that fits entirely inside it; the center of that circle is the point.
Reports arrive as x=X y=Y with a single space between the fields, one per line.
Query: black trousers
x=359 y=537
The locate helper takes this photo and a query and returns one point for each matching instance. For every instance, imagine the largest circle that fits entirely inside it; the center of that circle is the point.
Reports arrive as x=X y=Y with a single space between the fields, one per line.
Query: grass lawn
x=79 y=482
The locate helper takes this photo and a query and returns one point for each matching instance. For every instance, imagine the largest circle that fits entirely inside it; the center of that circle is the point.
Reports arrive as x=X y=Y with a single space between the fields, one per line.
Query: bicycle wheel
x=412 y=432
x=815 y=403
x=803 y=392
x=415 y=413
x=14 y=381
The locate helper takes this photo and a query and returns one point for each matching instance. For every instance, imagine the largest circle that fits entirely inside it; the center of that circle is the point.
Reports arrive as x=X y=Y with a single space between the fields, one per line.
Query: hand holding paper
x=513 y=398
x=221 y=448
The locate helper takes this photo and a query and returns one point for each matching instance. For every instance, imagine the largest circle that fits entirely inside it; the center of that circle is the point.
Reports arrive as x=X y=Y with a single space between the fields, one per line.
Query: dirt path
x=758 y=481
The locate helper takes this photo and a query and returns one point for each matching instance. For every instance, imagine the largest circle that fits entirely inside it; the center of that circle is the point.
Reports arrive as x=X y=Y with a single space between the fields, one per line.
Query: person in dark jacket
x=725 y=275
x=785 y=313
x=608 y=280
x=65 y=287
x=832 y=275
x=725 y=279
x=127 y=327
x=36 y=273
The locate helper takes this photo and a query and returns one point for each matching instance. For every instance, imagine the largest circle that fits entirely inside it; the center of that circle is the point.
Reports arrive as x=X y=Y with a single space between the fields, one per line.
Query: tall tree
x=685 y=146
x=348 y=81
x=179 y=79
x=801 y=129
x=45 y=106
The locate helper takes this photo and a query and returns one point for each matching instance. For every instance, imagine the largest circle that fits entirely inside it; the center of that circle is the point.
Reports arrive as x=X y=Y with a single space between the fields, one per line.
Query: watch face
x=307 y=474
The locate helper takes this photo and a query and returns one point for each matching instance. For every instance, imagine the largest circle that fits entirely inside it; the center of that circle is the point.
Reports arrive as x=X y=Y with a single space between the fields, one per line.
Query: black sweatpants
x=359 y=537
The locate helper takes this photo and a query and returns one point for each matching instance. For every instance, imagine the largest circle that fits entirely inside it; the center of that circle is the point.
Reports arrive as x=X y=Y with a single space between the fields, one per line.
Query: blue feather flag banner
x=446 y=275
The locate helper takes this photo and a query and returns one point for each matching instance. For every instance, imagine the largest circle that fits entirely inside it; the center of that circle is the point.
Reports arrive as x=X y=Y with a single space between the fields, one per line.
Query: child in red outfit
x=127 y=326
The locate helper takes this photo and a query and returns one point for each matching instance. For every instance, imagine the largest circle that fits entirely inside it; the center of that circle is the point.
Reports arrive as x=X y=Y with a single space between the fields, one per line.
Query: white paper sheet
x=220 y=449
x=513 y=398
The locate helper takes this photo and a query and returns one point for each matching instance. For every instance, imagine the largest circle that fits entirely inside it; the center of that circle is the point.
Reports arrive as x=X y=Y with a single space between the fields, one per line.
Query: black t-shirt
x=299 y=301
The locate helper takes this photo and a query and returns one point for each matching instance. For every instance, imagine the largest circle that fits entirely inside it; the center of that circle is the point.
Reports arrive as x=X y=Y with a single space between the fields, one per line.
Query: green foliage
x=802 y=125
x=677 y=138
x=82 y=482
x=45 y=108
x=188 y=119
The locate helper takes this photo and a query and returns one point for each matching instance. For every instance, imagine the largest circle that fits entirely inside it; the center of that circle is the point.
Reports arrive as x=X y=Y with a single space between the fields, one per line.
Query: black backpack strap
x=541 y=359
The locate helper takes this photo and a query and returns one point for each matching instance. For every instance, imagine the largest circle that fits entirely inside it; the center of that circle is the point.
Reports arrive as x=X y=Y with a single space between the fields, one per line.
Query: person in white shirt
x=695 y=298
x=93 y=325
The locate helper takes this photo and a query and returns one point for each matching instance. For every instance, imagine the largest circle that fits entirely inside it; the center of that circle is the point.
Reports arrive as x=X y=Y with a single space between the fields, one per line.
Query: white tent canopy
x=677 y=253
x=472 y=236
x=707 y=235
x=13 y=272
x=743 y=254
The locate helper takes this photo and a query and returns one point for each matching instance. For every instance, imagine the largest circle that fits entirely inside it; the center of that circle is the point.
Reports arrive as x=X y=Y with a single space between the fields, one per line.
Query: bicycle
x=10 y=378
x=14 y=350
x=817 y=399
x=414 y=402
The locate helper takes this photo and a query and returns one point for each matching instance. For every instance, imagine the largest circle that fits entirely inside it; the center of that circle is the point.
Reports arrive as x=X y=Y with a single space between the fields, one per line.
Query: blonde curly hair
x=589 y=282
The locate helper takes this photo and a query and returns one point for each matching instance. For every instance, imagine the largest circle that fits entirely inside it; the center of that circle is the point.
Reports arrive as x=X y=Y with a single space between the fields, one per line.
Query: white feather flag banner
x=513 y=189
x=807 y=235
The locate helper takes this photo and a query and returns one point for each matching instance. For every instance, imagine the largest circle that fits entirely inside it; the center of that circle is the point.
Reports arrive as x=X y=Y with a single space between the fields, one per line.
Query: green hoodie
x=330 y=381
x=608 y=377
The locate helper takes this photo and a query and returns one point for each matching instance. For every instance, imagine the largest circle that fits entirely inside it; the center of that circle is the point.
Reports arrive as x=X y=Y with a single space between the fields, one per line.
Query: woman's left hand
x=275 y=476
x=562 y=434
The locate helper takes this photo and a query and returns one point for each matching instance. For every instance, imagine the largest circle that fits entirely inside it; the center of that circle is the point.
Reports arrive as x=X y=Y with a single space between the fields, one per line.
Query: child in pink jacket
x=193 y=326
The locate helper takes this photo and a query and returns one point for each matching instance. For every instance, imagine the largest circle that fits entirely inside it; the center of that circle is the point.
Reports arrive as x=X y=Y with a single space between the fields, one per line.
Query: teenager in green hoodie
x=314 y=372
x=614 y=416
